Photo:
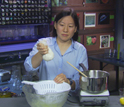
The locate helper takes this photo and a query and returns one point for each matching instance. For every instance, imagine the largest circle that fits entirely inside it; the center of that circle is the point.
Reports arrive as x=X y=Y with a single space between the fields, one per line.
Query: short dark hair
x=67 y=12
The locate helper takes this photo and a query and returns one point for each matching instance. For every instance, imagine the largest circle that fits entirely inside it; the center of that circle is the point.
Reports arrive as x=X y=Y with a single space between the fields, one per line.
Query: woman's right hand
x=38 y=57
x=43 y=49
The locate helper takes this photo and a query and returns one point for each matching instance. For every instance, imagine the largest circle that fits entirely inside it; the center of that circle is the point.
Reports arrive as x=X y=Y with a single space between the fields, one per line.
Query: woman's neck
x=64 y=43
x=63 y=46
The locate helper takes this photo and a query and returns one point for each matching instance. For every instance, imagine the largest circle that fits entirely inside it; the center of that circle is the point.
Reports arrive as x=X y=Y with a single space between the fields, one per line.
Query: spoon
x=77 y=69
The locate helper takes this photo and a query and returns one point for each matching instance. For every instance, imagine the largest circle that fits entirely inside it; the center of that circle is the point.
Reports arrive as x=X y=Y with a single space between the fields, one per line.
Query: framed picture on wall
x=91 y=40
x=59 y=3
x=104 y=18
x=89 y=19
x=55 y=3
x=104 y=1
x=104 y=41
x=91 y=1
x=62 y=2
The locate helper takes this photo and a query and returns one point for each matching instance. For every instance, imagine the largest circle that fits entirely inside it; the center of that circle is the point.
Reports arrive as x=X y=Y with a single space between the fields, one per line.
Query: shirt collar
x=73 y=45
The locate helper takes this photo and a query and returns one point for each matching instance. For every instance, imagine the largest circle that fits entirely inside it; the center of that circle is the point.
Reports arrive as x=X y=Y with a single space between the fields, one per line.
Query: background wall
x=119 y=24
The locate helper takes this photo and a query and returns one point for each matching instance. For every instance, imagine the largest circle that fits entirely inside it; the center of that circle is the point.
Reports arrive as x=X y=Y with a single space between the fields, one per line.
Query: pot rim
x=107 y=74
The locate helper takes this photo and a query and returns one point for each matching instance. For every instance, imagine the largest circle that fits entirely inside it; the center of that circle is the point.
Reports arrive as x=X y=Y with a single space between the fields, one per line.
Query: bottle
x=16 y=34
x=122 y=55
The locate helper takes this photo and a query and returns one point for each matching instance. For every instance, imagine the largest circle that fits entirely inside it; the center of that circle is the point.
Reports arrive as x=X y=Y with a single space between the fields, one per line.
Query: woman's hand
x=61 y=78
x=38 y=57
x=43 y=49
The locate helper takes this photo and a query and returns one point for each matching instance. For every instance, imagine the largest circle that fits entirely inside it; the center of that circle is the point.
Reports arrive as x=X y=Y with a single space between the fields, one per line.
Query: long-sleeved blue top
x=48 y=70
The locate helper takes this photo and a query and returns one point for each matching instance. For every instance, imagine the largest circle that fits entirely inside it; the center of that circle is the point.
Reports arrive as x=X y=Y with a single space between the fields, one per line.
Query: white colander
x=48 y=86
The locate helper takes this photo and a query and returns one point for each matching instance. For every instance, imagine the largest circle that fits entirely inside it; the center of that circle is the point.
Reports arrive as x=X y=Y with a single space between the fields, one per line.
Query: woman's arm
x=36 y=60
x=38 y=57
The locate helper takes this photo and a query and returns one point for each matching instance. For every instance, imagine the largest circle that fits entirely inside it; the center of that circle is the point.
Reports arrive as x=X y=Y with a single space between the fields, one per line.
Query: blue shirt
x=48 y=70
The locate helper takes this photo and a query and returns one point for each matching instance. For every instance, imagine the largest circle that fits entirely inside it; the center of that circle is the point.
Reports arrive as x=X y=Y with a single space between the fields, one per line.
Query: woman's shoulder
x=80 y=48
x=78 y=45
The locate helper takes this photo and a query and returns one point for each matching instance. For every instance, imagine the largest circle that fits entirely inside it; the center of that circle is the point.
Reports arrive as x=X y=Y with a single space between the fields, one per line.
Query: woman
x=65 y=48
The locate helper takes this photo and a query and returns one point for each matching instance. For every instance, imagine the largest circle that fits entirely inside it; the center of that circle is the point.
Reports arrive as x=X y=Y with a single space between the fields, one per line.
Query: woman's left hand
x=61 y=78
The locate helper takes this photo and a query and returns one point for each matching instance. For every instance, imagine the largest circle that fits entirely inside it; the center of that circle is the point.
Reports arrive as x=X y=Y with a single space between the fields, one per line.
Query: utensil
x=77 y=69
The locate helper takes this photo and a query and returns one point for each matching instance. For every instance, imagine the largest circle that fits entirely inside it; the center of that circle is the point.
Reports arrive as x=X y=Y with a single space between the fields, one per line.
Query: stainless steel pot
x=95 y=82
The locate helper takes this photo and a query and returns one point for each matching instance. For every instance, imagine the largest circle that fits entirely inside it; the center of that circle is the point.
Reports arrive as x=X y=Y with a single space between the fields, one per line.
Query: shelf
x=92 y=31
x=16 y=47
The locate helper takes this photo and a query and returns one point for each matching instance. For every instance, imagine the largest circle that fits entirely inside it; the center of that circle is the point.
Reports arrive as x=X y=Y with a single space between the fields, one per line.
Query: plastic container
x=48 y=86
x=51 y=94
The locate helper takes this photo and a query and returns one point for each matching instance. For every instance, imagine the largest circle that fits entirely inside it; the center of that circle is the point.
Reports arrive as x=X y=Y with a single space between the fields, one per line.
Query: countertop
x=21 y=102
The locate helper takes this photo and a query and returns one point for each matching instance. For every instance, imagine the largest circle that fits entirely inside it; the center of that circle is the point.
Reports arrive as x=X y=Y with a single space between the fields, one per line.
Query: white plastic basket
x=47 y=93
x=49 y=86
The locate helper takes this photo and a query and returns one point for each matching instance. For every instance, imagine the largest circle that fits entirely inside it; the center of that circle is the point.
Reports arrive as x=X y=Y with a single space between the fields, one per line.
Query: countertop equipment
x=88 y=99
x=4 y=76
x=93 y=89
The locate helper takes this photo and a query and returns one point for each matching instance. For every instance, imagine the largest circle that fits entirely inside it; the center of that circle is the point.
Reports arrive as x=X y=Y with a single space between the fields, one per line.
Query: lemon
x=122 y=100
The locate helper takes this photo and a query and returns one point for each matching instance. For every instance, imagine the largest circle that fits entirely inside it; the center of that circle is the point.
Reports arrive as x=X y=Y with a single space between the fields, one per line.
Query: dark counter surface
x=102 y=58
x=21 y=102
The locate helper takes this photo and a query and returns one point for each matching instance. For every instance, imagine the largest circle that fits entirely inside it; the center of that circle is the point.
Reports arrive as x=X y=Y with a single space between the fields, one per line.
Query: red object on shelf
x=78 y=14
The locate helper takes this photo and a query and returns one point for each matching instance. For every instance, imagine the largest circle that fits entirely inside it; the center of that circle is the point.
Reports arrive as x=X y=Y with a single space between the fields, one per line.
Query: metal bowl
x=95 y=82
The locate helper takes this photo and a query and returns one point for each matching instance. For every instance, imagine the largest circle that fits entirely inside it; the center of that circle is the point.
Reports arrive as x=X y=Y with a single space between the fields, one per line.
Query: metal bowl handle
x=84 y=68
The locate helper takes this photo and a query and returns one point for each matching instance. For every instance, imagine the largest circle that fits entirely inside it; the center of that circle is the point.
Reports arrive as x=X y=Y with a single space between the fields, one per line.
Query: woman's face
x=65 y=28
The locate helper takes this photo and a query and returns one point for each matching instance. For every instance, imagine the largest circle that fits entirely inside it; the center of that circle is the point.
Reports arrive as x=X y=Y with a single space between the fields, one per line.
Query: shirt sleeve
x=27 y=63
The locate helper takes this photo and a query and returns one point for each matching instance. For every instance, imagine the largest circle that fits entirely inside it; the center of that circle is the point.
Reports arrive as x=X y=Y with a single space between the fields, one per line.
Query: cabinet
x=14 y=12
x=18 y=34
x=23 y=21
